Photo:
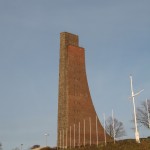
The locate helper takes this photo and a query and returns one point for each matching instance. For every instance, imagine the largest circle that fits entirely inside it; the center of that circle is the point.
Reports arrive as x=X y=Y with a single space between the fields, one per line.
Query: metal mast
x=137 y=137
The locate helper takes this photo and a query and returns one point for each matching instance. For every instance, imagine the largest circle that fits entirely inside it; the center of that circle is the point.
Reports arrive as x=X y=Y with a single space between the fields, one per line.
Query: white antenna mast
x=137 y=137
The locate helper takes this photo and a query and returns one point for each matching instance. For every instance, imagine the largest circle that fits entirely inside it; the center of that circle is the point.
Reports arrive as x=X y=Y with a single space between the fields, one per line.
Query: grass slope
x=129 y=144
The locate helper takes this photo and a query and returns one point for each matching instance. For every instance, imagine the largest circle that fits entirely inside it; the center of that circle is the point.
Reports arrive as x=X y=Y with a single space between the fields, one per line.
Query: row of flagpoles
x=63 y=134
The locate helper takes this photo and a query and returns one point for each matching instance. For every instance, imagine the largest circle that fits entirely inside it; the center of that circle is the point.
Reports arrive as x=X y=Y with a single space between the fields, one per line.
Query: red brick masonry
x=77 y=120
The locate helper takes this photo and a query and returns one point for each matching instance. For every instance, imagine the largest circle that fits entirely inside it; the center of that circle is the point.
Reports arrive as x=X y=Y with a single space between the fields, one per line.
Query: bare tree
x=0 y=146
x=143 y=114
x=35 y=146
x=16 y=148
x=118 y=128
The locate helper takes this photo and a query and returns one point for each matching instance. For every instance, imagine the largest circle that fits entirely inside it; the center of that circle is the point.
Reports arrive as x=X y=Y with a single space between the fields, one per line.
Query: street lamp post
x=21 y=146
x=46 y=135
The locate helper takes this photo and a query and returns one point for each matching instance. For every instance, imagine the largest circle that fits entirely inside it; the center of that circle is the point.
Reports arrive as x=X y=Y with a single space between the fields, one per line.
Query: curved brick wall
x=76 y=114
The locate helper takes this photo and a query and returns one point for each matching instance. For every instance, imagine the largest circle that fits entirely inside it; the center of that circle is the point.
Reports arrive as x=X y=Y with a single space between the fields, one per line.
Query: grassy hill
x=129 y=144
x=122 y=145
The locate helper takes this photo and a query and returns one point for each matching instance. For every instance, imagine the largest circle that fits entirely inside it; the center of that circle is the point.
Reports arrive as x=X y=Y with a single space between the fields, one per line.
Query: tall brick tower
x=77 y=120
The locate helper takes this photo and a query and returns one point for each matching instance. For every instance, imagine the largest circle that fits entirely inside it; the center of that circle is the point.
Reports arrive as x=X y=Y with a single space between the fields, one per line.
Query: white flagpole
x=147 y=114
x=74 y=136
x=70 y=136
x=66 y=136
x=60 y=139
x=137 y=136
x=104 y=129
x=63 y=139
x=113 y=125
x=84 y=132
x=96 y=131
x=79 y=134
x=90 y=129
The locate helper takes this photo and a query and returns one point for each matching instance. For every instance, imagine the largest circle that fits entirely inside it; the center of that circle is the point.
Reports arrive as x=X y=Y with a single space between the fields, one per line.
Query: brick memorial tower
x=78 y=123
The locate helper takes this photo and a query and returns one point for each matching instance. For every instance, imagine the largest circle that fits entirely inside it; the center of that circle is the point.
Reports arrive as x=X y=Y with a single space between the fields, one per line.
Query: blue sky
x=115 y=35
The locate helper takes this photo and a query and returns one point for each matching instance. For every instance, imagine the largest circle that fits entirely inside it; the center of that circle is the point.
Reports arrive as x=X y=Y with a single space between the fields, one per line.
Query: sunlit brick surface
x=76 y=113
